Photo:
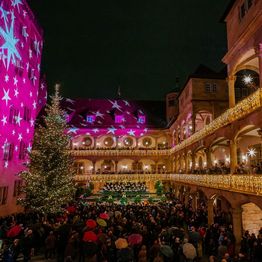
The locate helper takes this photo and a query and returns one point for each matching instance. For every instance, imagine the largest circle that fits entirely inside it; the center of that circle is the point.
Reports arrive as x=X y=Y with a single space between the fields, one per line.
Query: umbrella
x=166 y=251
x=117 y=213
x=135 y=239
x=101 y=222
x=90 y=223
x=89 y=236
x=121 y=243
x=71 y=209
x=14 y=231
x=189 y=251
x=104 y=216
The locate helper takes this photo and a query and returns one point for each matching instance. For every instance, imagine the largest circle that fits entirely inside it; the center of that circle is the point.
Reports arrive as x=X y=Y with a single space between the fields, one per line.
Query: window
x=119 y=119
x=244 y=8
x=90 y=119
x=8 y=151
x=22 y=151
x=27 y=114
x=17 y=187
x=79 y=168
x=210 y=87
x=141 y=119
x=3 y=194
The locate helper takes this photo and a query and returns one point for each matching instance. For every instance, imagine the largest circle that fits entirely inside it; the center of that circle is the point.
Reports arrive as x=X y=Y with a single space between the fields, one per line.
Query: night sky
x=92 y=47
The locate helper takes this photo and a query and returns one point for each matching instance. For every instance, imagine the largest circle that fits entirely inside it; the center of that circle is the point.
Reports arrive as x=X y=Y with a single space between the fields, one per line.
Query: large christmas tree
x=49 y=182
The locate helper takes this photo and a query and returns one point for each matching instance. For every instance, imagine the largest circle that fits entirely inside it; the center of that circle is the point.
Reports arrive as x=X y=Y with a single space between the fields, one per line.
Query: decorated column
x=231 y=90
x=233 y=156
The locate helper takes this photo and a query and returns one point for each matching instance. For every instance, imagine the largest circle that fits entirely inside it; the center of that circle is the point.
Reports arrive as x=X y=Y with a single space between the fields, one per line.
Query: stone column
x=193 y=161
x=231 y=90
x=186 y=164
x=233 y=156
x=210 y=211
x=259 y=55
x=94 y=167
x=95 y=138
x=237 y=226
x=116 y=164
x=208 y=157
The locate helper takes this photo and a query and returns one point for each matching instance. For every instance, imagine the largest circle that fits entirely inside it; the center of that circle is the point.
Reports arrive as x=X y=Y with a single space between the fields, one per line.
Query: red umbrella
x=14 y=231
x=135 y=239
x=71 y=209
x=90 y=236
x=104 y=216
x=90 y=223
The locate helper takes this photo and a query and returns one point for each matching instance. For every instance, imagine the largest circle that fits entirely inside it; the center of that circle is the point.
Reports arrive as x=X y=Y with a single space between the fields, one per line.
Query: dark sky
x=92 y=47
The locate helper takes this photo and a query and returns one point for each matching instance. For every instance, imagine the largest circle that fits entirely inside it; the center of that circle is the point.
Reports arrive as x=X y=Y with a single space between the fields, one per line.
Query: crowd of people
x=166 y=232
x=125 y=187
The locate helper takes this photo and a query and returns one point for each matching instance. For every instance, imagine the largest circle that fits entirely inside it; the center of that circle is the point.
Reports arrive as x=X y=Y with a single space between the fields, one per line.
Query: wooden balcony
x=248 y=184
x=120 y=152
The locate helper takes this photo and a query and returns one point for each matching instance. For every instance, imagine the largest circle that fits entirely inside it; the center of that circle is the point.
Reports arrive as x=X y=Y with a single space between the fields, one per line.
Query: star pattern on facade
x=6 y=96
x=111 y=130
x=9 y=45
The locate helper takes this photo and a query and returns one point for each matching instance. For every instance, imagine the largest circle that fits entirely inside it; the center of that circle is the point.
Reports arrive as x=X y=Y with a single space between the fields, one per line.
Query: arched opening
x=247 y=81
x=251 y=218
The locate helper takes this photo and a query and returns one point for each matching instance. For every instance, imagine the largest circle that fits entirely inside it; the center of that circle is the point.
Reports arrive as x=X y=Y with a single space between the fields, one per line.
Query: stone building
x=21 y=95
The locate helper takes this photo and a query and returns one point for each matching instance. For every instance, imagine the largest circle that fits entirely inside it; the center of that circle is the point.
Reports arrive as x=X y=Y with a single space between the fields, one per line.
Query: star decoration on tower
x=131 y=132
x=16 y=3
x=4 y=14
x=9 y=43
x=95 y=130
x=72 y=130
x=98 y=114
x=111 y=130
x=37 y=46
x=6 y=96
x=18 y=119
x=15 y=81
x=24 y=32
x=115 y=105
x=29 y=148
x=16 y=92
x=20 y=137
x=4 y=120
x=126 y=103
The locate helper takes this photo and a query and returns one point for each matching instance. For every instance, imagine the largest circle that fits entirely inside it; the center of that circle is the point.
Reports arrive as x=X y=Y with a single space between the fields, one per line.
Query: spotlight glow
x=251 y=152
x=247 y=79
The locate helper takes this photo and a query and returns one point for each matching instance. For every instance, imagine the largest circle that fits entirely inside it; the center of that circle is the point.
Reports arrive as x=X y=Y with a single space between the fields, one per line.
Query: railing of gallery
x=243 y=108
x=251 y=184
x=115 y=152
x=122 y=177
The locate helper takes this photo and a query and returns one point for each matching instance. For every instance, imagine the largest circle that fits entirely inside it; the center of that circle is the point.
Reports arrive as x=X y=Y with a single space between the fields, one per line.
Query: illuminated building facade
x=21 y=94
x=212 y=136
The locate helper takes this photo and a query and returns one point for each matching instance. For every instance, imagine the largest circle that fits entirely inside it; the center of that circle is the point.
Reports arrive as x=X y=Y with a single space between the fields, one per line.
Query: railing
x=243 y=108
x=122 y=177
x=249 y=184
x=121 y=152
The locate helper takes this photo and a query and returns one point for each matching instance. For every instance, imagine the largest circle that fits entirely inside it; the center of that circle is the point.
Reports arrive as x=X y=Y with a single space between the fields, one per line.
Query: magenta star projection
x=21 y=93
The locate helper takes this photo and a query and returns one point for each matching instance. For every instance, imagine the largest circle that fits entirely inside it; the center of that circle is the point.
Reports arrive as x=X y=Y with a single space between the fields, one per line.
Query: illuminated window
x=141 y=119
x=119 y=119
x=3 y=194
x=90 y=119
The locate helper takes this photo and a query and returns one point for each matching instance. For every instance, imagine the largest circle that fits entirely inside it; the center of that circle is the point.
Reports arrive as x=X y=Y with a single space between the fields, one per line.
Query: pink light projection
x=22 y=95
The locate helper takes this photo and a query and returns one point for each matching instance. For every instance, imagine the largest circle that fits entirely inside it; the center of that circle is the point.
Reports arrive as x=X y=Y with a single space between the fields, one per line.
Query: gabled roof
x=105 y=110
x=229 y=7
